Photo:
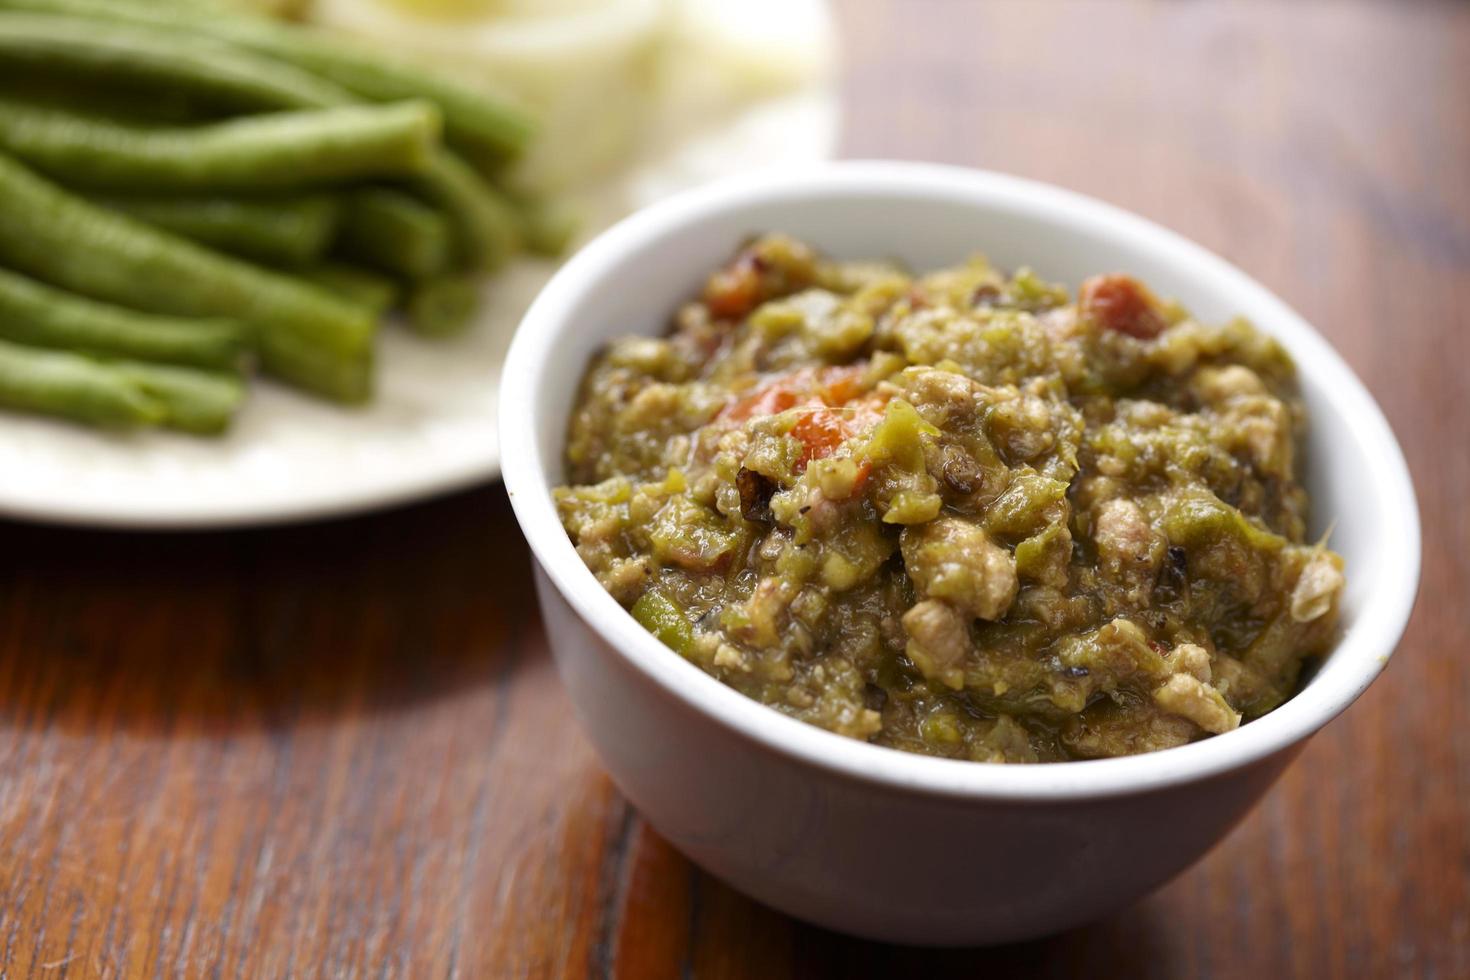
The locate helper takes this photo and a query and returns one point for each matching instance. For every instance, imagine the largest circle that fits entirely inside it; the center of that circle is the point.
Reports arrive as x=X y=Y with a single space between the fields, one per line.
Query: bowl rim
x=1358 y=658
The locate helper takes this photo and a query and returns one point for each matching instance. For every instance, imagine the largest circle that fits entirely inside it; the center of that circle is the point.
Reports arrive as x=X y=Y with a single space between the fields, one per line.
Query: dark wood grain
x=341 y=750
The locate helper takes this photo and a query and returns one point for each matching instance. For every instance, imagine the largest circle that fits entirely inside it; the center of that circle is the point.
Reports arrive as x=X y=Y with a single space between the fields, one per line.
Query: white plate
x=431 y=427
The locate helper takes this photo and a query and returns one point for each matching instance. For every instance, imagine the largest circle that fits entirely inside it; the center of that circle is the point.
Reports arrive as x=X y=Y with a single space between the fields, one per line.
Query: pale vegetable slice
x=758 y=46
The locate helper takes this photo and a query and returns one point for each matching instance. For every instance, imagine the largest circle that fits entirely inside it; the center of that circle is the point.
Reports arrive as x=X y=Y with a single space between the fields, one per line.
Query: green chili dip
x=958 y=514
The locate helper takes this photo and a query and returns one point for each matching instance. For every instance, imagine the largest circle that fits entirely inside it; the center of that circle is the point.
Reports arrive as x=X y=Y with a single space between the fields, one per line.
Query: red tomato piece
x=735 y=290
x=840 y=385
x=821 y=431
x=1122 y=304
x=766 y=400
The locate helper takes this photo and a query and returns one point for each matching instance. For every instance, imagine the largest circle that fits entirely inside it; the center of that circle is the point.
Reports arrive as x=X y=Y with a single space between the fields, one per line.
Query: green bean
x=43 y=316
x=278 y=150
x=224 y=75
x=296 y=360
x=396 y=232
x=369 y=290
x=485 y=224
x=274 y=151
x=149 y=51
x=155 y=108
x=230 y=7
x=275 y=230
x=202 y=402
x=71 y=386
x=487 y=125
x=443 y=307
x=546 y=228
x=304 y=334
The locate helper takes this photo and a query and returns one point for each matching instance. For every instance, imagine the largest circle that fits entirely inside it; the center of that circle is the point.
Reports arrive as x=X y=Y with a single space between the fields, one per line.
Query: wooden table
x=342 y=749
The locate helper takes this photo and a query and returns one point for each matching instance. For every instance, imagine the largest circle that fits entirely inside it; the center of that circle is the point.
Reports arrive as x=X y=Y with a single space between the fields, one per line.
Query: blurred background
x=341 y=749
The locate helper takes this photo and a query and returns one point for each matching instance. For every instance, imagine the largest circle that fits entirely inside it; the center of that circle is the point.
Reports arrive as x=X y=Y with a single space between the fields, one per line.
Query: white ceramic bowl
x=865 y=839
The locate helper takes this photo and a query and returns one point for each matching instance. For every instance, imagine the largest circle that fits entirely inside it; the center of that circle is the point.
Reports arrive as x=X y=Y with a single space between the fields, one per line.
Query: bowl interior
x=632 y=280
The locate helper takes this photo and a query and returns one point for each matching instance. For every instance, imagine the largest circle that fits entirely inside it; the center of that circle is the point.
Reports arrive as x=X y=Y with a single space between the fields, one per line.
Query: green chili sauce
x=957 y=513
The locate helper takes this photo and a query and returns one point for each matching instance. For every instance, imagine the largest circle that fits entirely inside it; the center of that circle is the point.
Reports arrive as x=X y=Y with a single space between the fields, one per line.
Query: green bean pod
x=267 y=152
x=297 y=360
x=486 y=125
x=201 y=402
x=395 y=232
x=546 y=228
x=174 y=107
x=303 y=334
x=367 y=289
x=40 y=45
x=445 y=306
x=70 y=386
x=287 y=231
x=485 y=225
x=489 y=127
x=42 y=316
